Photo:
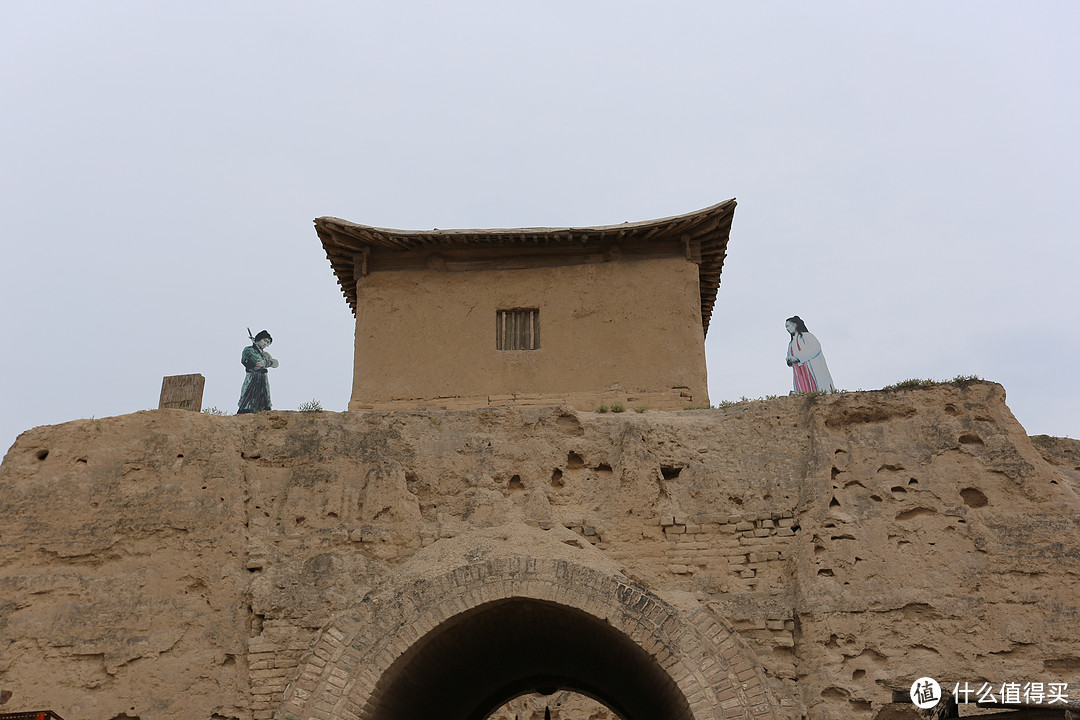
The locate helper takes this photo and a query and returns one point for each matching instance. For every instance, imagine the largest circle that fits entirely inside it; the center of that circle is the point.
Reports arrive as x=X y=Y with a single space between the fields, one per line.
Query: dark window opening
x=517 y=329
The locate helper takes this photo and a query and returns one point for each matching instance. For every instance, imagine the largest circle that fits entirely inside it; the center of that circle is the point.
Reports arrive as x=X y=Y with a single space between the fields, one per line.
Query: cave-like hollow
x=473 y=663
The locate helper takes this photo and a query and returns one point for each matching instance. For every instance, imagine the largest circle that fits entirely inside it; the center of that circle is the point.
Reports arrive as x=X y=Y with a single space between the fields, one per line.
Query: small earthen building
x=460 y=319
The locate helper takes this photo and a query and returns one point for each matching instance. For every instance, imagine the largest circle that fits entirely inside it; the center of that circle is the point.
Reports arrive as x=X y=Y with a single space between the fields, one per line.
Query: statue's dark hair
x=263 y=335
x=800 y=326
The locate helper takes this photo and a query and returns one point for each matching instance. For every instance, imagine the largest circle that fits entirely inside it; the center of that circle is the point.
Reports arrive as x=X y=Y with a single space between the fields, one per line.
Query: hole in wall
x=973 y=497
x=670 y=472
x=971 y=439
x=557 y=478
x=574 y=461
x=914 y=513
x=42 y=454
x=569 y=424
x=256 y=622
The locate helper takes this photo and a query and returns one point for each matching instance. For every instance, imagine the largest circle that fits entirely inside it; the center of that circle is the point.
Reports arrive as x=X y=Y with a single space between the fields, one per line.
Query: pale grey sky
x=906 y=176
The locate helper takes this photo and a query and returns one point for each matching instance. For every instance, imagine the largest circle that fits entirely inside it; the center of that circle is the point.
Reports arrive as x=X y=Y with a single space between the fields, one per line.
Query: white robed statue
x=804 y=357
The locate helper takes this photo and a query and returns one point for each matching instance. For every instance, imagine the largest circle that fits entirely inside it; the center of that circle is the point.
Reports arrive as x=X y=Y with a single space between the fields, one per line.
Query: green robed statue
x=255 y=393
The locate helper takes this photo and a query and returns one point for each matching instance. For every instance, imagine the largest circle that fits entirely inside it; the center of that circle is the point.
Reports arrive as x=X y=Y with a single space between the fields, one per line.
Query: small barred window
x=517 y=329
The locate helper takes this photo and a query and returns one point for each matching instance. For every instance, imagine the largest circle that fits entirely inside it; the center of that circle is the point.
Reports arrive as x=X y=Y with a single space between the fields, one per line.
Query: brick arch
x=352 y=669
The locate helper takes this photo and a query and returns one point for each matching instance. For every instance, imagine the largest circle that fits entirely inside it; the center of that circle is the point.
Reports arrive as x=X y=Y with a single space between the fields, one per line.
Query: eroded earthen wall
x=428 y=337
x=173 y=565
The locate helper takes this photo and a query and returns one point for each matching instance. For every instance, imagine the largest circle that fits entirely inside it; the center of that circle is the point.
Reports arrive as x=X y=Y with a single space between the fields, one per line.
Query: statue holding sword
x=255 y=393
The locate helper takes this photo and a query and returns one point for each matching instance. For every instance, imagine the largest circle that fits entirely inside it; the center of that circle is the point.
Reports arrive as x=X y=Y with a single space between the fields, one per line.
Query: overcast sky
x=906 y=176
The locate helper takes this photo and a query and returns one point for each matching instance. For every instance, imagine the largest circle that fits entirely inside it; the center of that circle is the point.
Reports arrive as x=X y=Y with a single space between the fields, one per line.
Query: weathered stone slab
x=182 y=392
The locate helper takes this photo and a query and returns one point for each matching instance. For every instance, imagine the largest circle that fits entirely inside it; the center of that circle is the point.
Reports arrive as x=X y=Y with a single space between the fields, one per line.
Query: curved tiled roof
x=708 y=227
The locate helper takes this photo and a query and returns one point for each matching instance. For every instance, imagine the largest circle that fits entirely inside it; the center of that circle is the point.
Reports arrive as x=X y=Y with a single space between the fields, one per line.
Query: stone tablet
x=182 y=392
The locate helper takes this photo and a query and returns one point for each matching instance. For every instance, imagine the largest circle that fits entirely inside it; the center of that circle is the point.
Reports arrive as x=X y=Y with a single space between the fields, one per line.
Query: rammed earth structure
x=459 y=319
x=788 y=559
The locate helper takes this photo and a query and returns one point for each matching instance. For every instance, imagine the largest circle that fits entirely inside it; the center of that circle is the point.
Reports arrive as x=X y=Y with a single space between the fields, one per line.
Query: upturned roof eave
x=710 y=225
x=358 y=230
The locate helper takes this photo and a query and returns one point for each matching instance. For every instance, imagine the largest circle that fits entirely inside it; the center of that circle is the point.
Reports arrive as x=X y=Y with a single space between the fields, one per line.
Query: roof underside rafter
x=708 y=228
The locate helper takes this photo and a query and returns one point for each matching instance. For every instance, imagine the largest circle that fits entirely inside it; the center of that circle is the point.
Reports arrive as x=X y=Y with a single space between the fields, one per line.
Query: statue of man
x=255 y=393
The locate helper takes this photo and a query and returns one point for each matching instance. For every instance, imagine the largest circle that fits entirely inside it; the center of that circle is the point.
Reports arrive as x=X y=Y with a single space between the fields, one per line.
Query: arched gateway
x=457 y=645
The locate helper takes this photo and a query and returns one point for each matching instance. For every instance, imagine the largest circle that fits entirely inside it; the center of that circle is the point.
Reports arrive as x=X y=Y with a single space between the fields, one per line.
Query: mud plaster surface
x=168 y=564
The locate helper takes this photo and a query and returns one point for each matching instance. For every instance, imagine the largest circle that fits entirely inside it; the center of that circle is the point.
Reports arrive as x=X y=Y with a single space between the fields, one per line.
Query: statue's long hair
x=800 y=326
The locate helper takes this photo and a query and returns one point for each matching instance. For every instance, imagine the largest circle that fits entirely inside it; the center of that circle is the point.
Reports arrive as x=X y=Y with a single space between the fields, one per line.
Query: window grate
x=517 y=329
